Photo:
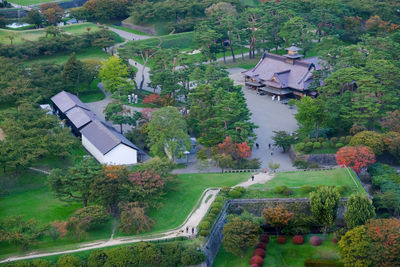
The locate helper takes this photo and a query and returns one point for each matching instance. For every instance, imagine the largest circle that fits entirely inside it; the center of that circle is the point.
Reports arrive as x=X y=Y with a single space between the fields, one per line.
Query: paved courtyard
x=269 y=116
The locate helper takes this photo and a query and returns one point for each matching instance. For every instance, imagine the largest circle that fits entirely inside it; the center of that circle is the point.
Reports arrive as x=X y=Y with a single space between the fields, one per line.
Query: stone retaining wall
x=146 y=29
x=12 y=13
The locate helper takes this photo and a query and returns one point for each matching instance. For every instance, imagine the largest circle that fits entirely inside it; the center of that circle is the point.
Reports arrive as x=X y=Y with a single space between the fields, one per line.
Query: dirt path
x=192 y=221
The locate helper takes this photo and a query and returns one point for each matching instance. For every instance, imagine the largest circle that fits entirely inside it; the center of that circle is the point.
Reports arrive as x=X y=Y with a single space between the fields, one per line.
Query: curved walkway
x=192 y=221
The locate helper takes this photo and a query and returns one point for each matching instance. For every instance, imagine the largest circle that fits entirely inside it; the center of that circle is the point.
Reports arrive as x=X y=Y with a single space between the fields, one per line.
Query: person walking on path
x=187 y=229
x=192 y=230
x=265 y=170
x=269 y=146
x=252 y=178
x=257 y=145
x=272 y=153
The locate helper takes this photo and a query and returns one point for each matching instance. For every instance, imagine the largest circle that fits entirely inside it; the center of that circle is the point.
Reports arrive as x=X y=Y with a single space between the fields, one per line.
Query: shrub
x=308 y=147
x=370 y=139
x=321 y=139
x=217 y=205
x=205 y=225
x=192 y=257
x=261 y=245
x=342 y=139
x=254 y=265
x=315 y=241
x=288 y=192
x=322 y=263
x=355 y=157
x=316 y=145
x=257 y=260
x=324 y=144
x=343 y=189
x=334 y=140
x=235 y=193
x=281 y=240
x=307 y=188
x=69 y=260
x=215 y=211
x=298 y=239
x=152 y=99
x=339 y=145
x=97 y=258
x=348 y=139
x=264 y=238
x=204 y=232
x=259 y=252
x=334 y=241
x=280 y=189
x=240 y=189
x=313 y=139
x=299 y=146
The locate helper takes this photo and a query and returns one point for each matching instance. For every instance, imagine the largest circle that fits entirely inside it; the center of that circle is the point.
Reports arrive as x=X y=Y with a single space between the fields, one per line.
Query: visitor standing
x=252 y=178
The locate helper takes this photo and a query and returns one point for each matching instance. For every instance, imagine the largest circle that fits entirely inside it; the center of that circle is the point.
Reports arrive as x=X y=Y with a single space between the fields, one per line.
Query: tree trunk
x=232 y=52
x=316 y=130
x=325 y=230
x=242 y=52
x=223 y=49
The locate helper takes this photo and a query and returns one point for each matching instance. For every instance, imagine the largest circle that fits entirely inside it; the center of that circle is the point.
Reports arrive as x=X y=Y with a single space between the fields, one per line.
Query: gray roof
x=316 y=61
x=274 y=70
x=66 y=101
x=79 y=116
x=293 y=48
x=105 y=137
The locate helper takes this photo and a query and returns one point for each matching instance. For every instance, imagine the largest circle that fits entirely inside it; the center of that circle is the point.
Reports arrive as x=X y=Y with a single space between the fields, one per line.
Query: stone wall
x=320 y=159
x=146 y=29
x=12 y=13
x=213 y=242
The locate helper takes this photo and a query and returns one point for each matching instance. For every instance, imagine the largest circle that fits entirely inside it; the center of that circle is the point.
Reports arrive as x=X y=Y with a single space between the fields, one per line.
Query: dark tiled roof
x=274 y=70
x=104 y=137
x=79 y=116
x=66 y=101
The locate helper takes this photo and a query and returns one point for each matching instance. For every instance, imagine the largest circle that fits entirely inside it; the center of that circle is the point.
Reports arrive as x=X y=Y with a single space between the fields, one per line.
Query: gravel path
x=192 y=221
x=129 y=35
x=270 y=116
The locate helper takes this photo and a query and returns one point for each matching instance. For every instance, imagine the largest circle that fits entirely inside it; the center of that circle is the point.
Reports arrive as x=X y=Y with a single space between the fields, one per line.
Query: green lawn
x=127 y=29
x=91 y=96
x=29 y=2
x=60 y=58
x=279 y=255
x=336 y=177
x=179 y=40
x=33 y=35
x=181 y=199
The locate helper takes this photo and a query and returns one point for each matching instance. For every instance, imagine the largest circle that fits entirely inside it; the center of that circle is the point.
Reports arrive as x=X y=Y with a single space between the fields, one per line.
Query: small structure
x=283 y=76
x=109 y=146
x=72 y=21
x=71 y=109
x=100 y=139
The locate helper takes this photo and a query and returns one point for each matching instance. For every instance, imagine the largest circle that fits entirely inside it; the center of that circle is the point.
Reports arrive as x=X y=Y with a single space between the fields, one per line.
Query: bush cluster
x=315 y=241
x=281 y=240
x=208 y=220
x=283 y=190
x=298 y=239
x=308 y=145
x=236 y=192
x=141 y=254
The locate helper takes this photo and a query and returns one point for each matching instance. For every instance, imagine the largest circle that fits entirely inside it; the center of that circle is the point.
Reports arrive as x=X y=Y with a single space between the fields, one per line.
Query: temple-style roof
x=276 y=71
x=105 y=137
x=293 y=48
x=79 y=116
x=66 y=101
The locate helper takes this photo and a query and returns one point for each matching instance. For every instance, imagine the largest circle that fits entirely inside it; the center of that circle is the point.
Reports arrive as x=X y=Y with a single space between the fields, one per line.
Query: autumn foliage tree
x=377 y=243
x=134 y=219
x=152 y=99
x=277 y=216
x=57 y=229
x=355 y=157
x=391 y=121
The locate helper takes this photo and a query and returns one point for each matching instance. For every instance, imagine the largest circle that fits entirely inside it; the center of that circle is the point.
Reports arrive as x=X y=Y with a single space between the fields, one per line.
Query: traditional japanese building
x=285 y=76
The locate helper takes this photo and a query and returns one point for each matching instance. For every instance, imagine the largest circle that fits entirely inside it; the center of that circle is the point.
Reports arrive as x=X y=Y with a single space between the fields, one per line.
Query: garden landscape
x=200 y=133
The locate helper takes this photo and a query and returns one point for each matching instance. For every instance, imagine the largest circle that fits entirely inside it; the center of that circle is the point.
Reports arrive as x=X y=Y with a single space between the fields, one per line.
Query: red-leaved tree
x=237 y=151
x=355 y=157
x=385 y=241
x=152 y=99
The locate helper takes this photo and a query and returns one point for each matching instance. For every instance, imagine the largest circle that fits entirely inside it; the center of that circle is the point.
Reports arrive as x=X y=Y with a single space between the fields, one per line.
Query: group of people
x=187 y=230
x=270 y=147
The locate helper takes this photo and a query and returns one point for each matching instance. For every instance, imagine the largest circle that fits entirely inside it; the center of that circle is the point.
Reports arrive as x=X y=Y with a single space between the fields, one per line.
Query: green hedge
x=322 y=263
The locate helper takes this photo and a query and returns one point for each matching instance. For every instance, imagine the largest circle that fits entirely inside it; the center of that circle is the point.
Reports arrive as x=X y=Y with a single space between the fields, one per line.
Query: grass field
x=29 y=2
x=33 y=35
x=60 y=58
x=179 y=40
x=181 y=199
x=294 y=180
x=279 y=255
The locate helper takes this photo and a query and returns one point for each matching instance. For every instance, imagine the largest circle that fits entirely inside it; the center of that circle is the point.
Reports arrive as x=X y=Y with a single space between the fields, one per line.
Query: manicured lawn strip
x=337 y=177
x=28 y=2
x=279 y=255
x=179 y=40
x=128 y=30
x=181 y=199
x=60 y=58
x=33 y=35
x=91 y=96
